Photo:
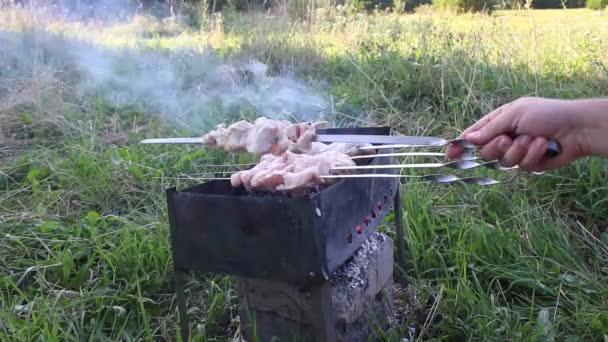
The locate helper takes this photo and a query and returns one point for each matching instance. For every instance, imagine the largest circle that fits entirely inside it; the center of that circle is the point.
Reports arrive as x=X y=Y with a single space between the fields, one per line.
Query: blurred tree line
x=402 y=5
x=165 y=8
x=407 y=5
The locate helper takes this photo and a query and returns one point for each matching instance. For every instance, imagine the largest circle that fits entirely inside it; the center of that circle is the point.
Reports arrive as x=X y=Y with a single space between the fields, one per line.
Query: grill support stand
x=324 y=321
x=323 y=313
x=321 y=296
x=401 y=263
x=181 y=304
x=347 y=307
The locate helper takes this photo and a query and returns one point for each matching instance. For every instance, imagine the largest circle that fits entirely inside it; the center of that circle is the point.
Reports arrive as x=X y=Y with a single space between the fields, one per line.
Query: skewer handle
x=553 y=150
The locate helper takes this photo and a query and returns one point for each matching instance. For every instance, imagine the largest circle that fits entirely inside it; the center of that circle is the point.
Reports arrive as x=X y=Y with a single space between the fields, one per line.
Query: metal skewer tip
x=173 y=141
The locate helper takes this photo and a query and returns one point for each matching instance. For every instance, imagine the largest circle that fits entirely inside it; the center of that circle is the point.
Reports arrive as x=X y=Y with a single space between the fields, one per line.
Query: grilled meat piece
x=263 y=136
x=291 y=159
x=237 y=134
x=290 y=171
x=349 y=149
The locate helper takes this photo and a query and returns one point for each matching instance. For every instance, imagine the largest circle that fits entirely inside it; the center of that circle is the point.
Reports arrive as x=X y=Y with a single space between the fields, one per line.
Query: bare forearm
x=591 y=116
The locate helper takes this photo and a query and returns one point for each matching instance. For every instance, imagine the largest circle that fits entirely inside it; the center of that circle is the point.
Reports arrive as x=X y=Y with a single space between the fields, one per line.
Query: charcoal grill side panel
x=256 y=237
x=358 y=199
x=350 y=203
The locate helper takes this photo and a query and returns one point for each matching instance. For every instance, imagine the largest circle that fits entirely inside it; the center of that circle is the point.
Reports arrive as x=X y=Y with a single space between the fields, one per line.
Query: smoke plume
x=195 y=89
x=187 y=88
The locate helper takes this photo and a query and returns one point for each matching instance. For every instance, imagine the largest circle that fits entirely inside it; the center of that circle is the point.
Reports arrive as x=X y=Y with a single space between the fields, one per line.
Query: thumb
x=501 y=124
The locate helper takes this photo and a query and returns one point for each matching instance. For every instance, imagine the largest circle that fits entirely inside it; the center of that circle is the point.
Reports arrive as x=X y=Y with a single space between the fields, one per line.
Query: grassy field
x=85 y=251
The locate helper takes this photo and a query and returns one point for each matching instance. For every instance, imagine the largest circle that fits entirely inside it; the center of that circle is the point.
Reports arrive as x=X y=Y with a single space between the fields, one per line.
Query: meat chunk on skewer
x=267 y=162
x=290 y=171
x=276 y=136
x=237 y=133
x=217 y=137
x=350 y=149
x=264 y=136
x=298 y=180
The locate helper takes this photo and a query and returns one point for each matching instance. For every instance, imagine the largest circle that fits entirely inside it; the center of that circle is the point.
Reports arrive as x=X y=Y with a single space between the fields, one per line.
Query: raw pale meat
x=235 y=179
x=276 y=136
x=349 y=149
x=217 y=137
x=264 y=136
x=267 y=161
x=291 y=159
x=236 y=135
x=290 y=171
x=302 y=179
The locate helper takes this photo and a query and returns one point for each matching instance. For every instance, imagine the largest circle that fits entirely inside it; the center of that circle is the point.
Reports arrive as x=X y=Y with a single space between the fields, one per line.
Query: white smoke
x=194 y=89
x=101 y=11
x=187 y=88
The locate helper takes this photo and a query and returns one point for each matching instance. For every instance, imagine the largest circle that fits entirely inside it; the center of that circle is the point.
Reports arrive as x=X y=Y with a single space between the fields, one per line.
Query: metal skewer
x=465 y=156
x=173 y=141
x=222 y=172
x=413 y=154
x=370 y=156
x=417 y=141
x=458 y=165
x=439 y=178
x=228 y=165
x=199 y=140
x=395 y=146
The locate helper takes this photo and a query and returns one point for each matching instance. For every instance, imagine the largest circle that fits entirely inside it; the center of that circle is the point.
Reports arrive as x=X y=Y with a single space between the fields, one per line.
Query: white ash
x=349 y=275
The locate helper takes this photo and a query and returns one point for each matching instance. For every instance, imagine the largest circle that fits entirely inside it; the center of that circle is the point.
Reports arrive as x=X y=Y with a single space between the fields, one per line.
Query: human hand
x=518 y=132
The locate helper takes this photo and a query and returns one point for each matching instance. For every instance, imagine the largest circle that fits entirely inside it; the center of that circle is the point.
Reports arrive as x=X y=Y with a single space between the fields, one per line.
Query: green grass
x=85 y=251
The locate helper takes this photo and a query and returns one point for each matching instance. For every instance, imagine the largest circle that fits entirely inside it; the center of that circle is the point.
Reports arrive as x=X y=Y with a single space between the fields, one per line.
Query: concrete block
x=361 y=299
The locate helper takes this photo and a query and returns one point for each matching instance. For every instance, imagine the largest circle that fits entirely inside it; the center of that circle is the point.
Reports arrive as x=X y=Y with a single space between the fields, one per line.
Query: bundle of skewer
x=466 y=162
x=278 y=138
